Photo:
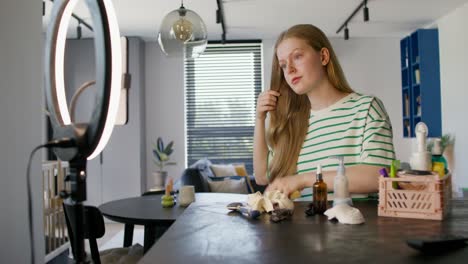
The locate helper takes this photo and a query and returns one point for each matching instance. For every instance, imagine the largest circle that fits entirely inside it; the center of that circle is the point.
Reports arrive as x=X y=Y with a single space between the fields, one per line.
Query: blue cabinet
x=420 y=81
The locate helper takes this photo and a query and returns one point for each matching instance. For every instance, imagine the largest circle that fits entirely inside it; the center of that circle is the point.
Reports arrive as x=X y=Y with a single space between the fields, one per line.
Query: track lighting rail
x=363 y=5
x=78 y=19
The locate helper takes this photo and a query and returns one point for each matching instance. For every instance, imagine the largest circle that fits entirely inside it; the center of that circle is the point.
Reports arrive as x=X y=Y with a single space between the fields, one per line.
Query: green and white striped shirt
x=356 y=127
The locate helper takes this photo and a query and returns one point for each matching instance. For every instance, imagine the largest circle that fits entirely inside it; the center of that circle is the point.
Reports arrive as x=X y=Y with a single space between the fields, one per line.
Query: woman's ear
x=325 y=56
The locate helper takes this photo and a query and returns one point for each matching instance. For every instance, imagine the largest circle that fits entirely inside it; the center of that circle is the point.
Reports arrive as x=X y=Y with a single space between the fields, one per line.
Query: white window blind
x=221 y=90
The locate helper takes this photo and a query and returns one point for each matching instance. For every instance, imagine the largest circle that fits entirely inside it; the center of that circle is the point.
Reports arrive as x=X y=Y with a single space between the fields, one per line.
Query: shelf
x=416 y=120
x=420 y=82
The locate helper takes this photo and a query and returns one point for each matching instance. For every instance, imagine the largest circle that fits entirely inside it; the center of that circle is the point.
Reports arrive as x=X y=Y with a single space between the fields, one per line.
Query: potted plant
x=161 y=156
x=447 y=141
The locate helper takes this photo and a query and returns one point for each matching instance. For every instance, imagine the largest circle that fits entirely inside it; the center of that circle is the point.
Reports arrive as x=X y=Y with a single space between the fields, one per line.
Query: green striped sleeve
x=357 y=100
x=377 y=146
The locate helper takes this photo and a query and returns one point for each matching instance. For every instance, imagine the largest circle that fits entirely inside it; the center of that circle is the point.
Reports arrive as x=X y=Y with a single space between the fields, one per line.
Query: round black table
x=144 y=210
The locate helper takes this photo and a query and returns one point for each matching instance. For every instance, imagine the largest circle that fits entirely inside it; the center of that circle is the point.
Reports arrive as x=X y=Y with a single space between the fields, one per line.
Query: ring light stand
x=89 y=138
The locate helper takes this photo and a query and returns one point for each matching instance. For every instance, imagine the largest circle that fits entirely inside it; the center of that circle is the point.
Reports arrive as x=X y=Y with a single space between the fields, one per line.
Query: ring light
x=92 y=137
x=89 y=138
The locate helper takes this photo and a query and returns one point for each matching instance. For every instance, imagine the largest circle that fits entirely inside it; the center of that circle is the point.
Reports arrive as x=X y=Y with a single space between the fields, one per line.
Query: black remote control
x=437 y=244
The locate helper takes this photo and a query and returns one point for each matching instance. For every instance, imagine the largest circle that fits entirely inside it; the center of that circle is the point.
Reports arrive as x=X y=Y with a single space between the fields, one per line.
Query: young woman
x=314 y=114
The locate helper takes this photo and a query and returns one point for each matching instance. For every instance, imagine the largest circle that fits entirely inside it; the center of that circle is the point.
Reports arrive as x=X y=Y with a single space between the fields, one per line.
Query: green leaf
x=169 y=153
x=163 y=156
x=160 y=144
x=168 y=149
x=447 y=140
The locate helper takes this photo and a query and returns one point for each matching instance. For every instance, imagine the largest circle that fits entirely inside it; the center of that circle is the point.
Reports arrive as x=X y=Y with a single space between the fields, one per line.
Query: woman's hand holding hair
x=266 y=102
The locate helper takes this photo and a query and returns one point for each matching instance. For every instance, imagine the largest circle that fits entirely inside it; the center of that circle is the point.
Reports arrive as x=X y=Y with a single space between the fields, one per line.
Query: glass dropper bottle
x=319 y=193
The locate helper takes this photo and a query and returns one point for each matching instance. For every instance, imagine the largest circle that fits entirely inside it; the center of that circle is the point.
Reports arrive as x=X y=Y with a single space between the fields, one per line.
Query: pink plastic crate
x=422 y=197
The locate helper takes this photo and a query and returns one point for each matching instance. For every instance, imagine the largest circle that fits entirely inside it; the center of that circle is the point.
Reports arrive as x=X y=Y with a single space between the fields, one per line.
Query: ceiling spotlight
x=366 y=12
x=346 y=32
x=183 y=30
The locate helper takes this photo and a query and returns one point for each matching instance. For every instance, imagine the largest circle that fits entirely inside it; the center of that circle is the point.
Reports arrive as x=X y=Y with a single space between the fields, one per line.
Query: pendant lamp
x=182 y=32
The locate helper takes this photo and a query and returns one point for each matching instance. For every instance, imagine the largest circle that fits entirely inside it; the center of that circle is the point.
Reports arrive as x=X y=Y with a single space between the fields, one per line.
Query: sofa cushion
x=199 y=173
x=244 y=179
x=240 y=169
x=223 y=170
x=233 y=184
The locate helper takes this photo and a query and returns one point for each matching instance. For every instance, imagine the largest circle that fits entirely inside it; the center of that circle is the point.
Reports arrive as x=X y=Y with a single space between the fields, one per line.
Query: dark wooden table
x=144 y=210
x=208 y=233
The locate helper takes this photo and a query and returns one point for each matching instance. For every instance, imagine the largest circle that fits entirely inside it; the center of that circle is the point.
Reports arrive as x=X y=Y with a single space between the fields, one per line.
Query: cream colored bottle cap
x=437 y=147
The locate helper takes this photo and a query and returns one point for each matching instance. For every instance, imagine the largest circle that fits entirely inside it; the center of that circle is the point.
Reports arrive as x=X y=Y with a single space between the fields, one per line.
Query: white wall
x=371 y=66
x=21 y=127
x=122 y=172
x=164 y=107
x=268 y=50
x=453 y=43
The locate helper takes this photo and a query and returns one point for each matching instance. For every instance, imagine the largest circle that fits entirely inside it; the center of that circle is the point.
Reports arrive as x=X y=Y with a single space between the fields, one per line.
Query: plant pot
x=159 y=178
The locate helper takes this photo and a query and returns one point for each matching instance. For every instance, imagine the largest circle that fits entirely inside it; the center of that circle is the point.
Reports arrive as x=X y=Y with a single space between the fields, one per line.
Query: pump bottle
x=340 y=184
x=319 y=193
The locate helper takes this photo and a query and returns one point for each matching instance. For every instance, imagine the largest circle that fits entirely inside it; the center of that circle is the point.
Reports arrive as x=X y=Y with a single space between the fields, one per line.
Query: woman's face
x=302 y=66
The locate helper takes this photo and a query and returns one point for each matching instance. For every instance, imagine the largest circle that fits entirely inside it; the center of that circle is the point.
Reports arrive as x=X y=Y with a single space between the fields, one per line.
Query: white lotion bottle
x=340 y=184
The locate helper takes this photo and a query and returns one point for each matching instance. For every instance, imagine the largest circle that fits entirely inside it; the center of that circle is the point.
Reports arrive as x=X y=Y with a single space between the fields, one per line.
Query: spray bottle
x=340 y=184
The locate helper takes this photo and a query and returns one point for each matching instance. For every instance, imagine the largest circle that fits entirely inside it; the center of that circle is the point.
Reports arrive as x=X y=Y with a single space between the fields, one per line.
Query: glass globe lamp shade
x=183 y=31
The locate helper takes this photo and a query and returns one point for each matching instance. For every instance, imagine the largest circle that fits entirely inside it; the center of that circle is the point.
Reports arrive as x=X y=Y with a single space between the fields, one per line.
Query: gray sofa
x=197 y=176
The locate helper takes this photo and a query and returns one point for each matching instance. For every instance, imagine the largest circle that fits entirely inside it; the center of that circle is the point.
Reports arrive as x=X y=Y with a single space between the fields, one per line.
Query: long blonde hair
x=289 y=122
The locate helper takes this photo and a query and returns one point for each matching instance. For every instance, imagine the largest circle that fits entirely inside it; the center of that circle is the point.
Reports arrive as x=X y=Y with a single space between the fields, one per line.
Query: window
x=221 y=91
